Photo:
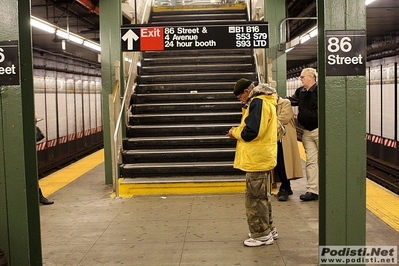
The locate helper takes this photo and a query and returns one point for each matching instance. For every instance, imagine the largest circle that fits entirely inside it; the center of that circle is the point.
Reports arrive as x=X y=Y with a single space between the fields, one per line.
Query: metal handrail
x=257 y=67
x=117 y=126
x=280 y=41
x=122 y=108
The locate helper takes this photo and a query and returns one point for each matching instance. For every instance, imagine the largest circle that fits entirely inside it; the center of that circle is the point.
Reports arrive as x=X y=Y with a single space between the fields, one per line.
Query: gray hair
x=311 y=71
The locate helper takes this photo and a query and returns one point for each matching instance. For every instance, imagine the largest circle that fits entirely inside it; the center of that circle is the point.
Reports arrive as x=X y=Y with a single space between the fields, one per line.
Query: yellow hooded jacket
x=256 y=136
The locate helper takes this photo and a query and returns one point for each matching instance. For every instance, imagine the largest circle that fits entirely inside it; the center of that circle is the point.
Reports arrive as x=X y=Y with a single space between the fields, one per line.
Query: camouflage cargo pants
x=257 y=204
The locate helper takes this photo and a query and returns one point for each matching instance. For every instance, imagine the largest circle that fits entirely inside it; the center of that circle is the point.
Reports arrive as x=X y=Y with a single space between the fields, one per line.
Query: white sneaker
x=273 y=231
x=259 y=241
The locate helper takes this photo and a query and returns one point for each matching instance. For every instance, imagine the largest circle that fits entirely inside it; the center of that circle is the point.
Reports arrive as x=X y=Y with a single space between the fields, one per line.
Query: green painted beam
x=275 y=13
x=342 y=129
x=110 y=23
x=19 y=211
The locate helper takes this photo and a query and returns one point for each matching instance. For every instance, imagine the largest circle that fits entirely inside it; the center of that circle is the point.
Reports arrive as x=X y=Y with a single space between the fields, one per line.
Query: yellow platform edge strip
x=383 y=203
x=60 y=179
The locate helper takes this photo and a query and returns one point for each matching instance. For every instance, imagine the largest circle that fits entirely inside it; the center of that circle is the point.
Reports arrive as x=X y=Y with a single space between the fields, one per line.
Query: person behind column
x=306 y=99
x=288 y=159
x=256 y=154
x=39 y=136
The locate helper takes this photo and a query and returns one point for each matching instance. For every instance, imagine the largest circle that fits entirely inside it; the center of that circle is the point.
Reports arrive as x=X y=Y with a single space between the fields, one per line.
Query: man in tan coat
x=289 y=164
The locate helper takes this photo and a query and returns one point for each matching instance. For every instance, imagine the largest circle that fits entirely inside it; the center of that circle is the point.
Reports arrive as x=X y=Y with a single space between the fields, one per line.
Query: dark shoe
x=45 y=201
x=308 y=196
x=282 y=195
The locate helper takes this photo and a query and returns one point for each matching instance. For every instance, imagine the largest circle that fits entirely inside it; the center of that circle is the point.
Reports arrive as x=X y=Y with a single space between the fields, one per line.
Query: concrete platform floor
x=85 y=226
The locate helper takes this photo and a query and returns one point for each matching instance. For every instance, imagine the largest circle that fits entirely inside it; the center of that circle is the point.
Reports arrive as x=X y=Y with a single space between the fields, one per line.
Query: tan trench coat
x=292 y=159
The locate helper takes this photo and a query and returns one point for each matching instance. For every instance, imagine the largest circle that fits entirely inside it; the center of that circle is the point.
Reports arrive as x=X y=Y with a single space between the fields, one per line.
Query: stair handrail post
x=129 y=89
x=117 y=143
x=257 y=66
x=113 y=107
x=249 y=9
x=282 y=23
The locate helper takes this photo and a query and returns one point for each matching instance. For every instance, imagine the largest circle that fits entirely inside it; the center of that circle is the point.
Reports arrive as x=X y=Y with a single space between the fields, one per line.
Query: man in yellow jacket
x=256 y=154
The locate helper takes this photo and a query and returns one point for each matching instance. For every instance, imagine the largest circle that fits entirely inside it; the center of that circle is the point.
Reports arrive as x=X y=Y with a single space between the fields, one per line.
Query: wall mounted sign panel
x=9 y=63
x=345 y=53
x=163 y=38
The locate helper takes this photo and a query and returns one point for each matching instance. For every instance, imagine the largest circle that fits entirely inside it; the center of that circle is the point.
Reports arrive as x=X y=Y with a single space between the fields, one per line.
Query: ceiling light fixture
x=50 y=28
x=42 y=25
x=313 y=33
x=92 y=45
x=304 y=38
x=289 y=49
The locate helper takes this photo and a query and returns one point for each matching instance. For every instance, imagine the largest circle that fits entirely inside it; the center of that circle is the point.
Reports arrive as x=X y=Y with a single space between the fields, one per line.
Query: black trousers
x=280 y=168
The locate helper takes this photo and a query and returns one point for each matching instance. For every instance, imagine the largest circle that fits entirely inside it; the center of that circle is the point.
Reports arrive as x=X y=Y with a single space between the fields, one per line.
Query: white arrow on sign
x=130 y=36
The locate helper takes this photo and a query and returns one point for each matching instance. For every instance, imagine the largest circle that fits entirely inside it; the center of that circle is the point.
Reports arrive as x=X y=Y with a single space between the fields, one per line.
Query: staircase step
x=177 y=130
x=195 y=19
x=164 y=87
x=196 y=54
x=197 y=60
x=185 y=107
x=197 y=69
x=178 y=155
x=192 y=77
x=187 y=97
x=184 y=118
x=178 y=169
x=165 y=142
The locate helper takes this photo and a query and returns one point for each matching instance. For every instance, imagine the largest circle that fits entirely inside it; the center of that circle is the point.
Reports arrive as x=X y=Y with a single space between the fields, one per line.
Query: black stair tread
x=236 y=177
x=216 y=57
x=155 y=94
x=177 y=164
x=198 y=22
x=172 y=67
x=196 y=14
x=198 y=53
x=197 y=150
x=199 y=74
x=186 y=103
x=182 y=125
x=182 y=141
x=177 y=137
x=186 y=114
x=193 y=7
x=199 y=84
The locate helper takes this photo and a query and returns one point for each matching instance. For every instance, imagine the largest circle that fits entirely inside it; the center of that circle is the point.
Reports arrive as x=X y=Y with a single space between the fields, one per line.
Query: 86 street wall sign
x=346 y=53
x=162 y=38
x=9 y=63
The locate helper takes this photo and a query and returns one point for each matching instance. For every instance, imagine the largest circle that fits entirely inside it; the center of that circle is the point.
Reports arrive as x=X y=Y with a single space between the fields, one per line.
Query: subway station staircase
x=182 y=106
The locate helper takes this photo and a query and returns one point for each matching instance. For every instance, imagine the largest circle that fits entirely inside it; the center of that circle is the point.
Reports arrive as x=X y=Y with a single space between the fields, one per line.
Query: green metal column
x=19 y=204
x=342 y=130
x=110 y=24
x=274 y=14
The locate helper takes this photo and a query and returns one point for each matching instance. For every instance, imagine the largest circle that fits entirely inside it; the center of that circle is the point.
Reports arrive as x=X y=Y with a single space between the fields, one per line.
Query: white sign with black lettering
x=9 y=63
x=193 y=37
x=345 y=53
